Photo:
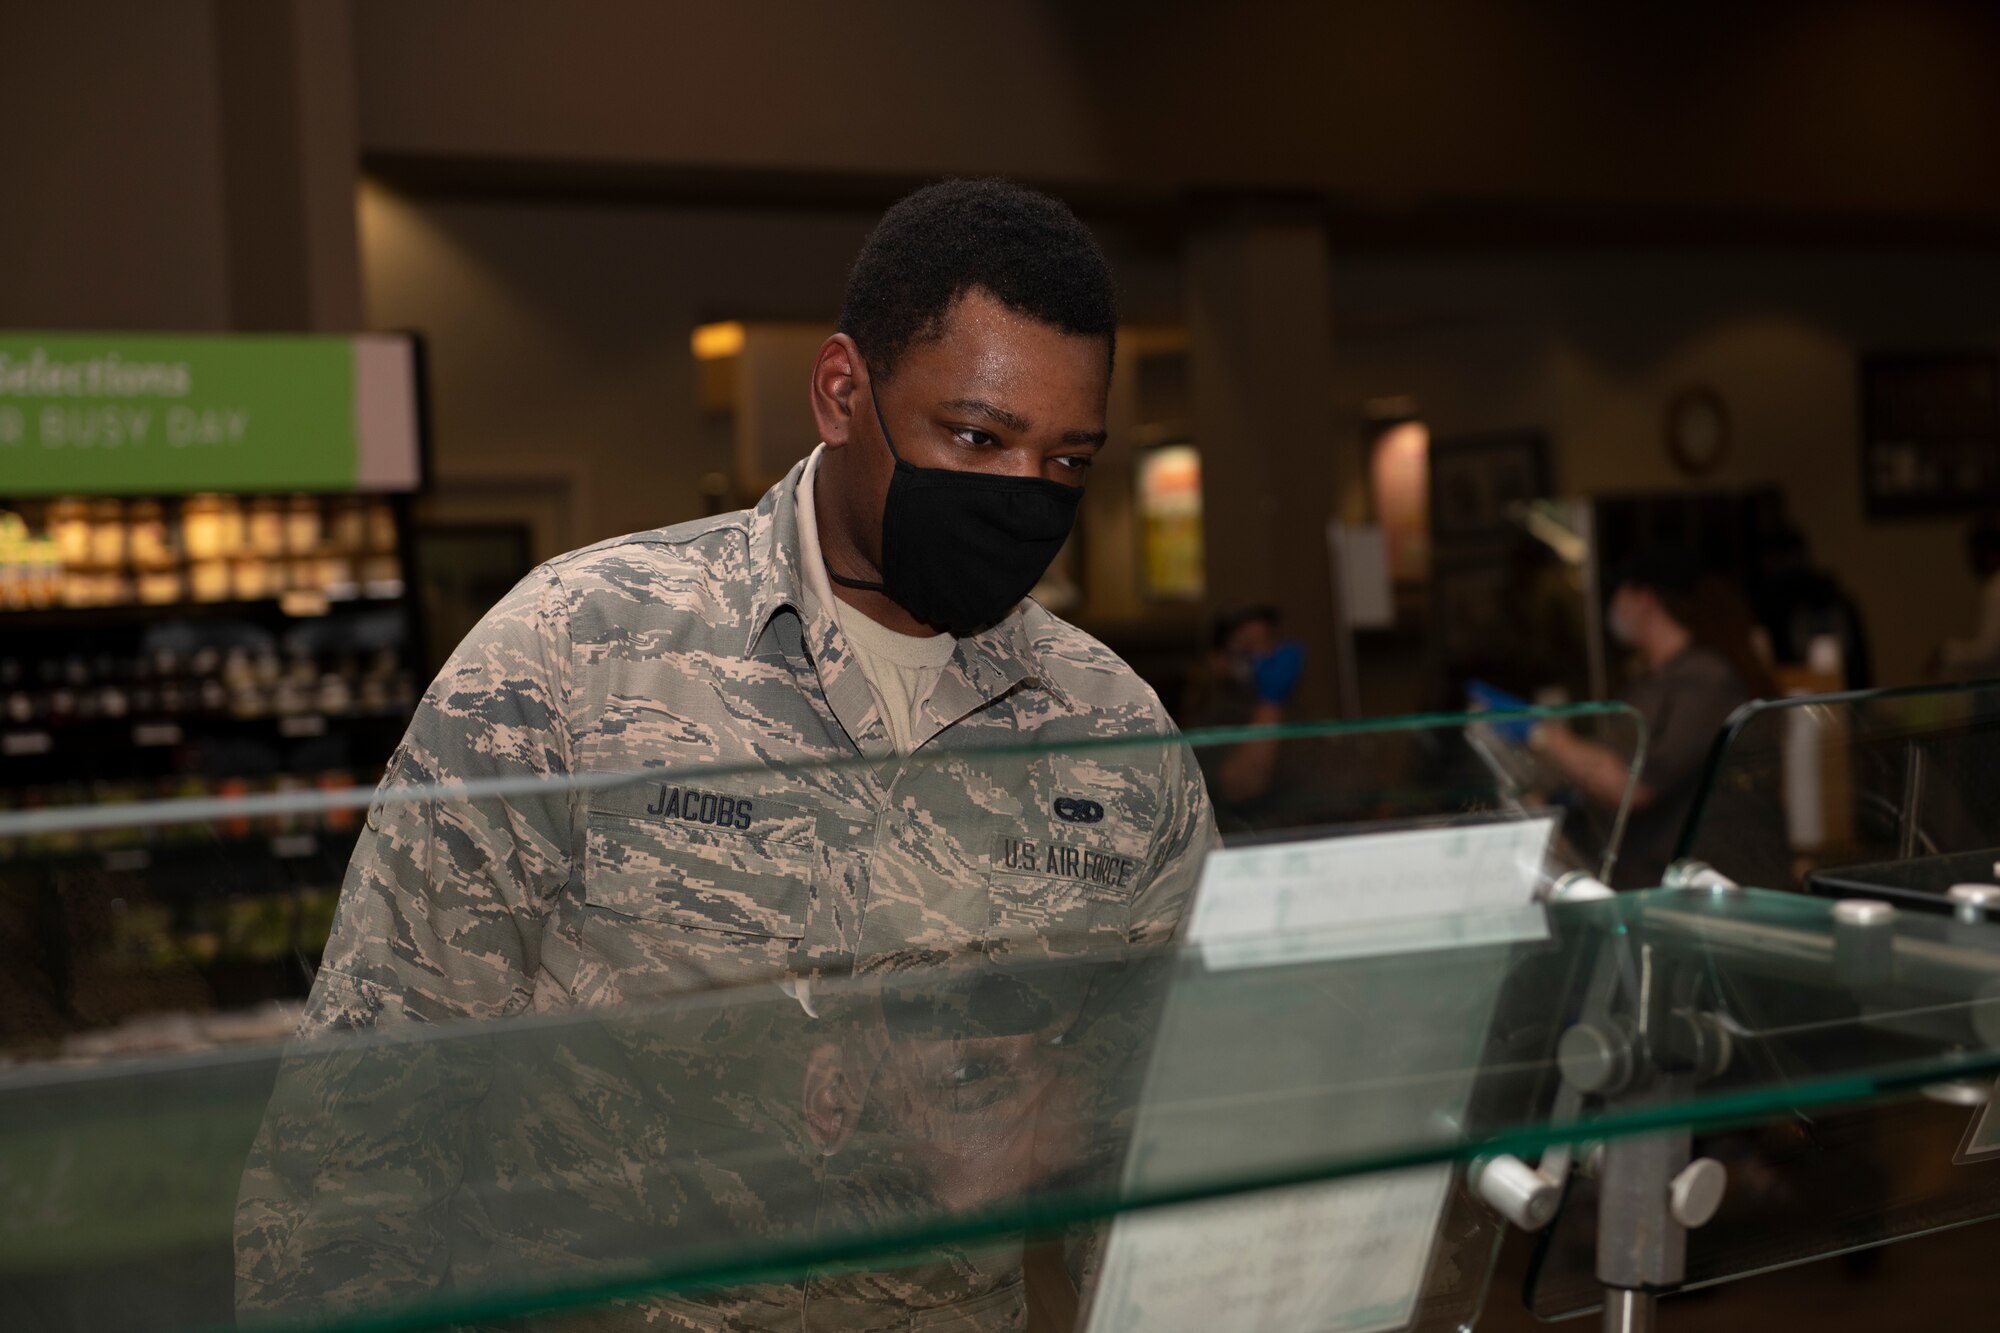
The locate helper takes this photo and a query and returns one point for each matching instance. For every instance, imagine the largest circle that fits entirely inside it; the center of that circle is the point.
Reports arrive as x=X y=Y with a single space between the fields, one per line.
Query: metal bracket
x=1526 y=1196
x=1697 y=875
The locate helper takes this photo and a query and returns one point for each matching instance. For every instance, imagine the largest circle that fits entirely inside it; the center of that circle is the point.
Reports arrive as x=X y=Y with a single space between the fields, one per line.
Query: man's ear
x=832 y=1099
x=836 y=382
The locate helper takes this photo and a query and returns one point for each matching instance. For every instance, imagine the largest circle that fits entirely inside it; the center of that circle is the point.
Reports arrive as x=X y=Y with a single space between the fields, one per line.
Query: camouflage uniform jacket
x=780 y=832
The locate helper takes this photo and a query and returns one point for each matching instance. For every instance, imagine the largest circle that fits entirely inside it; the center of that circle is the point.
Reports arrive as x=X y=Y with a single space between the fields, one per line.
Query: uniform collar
x=984 y=666
x=774 y=556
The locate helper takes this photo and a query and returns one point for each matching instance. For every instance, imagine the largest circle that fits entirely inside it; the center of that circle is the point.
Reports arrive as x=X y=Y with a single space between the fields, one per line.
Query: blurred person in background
x=1978 y=656
x=1691 y=639
x=1249 y=679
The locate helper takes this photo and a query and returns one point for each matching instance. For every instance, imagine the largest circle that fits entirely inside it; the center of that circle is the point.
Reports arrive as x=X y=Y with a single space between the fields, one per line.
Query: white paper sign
x=1347 y=1256
x=1371 y=893
x=1361 y=563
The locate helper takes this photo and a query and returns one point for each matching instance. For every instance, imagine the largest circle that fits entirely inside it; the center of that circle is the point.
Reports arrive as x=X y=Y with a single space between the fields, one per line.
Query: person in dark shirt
x=1687 y=692
x=1798 y=602
x=1977 y=657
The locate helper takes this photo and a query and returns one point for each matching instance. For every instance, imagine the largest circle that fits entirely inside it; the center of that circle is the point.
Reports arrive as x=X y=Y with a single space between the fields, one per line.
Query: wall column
x=290 y=163
x=1261 y=353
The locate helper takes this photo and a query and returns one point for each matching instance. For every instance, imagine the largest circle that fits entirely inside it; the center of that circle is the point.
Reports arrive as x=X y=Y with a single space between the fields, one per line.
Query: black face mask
x=959 y=549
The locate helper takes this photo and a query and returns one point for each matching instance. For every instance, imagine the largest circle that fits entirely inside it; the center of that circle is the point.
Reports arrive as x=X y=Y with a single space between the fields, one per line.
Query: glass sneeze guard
x=1877 y=795
x=1891 y=785
x=910 y=1133
x=963 y=1062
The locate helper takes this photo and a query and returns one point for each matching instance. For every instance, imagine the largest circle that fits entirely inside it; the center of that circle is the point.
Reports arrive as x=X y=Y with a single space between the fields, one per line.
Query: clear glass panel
x=1816 y=1183
x=901 y=1131
x=1801 y=1188
x=899 y=1137
x=982 y=1023
x=1880 y=795
x=135 y=925
x=1883 y=793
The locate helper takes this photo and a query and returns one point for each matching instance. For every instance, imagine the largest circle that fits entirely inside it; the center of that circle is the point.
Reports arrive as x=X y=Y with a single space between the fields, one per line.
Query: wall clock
x=1697 y=431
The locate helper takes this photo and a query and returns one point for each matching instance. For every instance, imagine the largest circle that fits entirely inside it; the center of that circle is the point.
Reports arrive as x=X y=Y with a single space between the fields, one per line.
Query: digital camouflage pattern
x=770 y=831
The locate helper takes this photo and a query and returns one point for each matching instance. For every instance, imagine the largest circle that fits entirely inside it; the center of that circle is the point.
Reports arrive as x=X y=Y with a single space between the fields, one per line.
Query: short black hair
x=1670 y=573
x=933 y=246
x=1229 y=622
x=1667 y=570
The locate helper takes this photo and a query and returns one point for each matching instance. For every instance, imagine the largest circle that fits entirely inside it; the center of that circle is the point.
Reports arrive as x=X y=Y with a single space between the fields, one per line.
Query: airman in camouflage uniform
x=772 y=830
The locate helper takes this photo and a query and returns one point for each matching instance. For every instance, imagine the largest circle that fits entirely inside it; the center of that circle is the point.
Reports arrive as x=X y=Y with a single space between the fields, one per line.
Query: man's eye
x=1078 y=462
x=972 y=435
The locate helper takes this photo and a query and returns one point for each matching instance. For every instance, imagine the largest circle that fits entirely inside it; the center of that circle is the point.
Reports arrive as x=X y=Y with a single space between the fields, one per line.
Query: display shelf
x=208 y=856
x=58 y=618
x=98 y=735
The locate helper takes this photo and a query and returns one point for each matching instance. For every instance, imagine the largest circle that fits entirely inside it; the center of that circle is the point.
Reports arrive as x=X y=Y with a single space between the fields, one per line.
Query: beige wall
x=774 y=420
x=563 y=387
x=559 y=344
x=1412 y=124
x=1781 y=107
x=178 y=165
x=1261 y=344
x=113 y=212
x=1591 y=348
x=186 y=163
x=1784 y=109
x=564 y=391
x=756 y=85
x=562 y=383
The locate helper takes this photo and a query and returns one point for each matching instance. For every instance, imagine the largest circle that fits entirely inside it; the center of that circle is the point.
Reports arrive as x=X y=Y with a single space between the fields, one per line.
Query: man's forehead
x=977 y=320
x=1014 y=387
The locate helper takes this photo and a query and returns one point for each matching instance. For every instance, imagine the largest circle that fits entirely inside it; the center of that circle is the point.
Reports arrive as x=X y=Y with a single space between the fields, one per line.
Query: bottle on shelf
x=107 y=533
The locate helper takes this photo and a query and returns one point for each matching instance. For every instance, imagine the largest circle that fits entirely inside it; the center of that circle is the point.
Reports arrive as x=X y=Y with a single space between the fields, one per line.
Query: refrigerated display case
x=205 y=589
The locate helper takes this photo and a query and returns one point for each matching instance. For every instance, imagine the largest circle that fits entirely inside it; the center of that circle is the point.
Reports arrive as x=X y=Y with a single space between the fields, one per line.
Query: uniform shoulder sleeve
x=347 y=1188
x=440 y=914
x=1185 y=838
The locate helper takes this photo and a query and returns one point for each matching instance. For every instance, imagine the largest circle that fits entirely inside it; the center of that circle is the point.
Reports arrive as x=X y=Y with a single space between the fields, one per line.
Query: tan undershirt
x=902 y=669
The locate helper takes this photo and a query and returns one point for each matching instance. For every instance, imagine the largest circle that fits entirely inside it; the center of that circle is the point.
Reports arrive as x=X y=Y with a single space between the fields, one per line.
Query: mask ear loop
x=865 y=585
x=876 y=403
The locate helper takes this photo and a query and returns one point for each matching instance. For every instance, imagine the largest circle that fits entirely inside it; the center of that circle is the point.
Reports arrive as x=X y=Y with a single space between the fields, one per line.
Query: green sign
x=138 y=414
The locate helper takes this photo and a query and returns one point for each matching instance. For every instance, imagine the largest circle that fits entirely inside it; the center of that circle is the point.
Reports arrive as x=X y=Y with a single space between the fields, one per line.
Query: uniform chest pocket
x=705 y=877
x=1060 y=888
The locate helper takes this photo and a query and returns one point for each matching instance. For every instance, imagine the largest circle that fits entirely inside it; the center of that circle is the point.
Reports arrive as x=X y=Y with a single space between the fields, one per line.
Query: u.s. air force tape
x=1057 y=860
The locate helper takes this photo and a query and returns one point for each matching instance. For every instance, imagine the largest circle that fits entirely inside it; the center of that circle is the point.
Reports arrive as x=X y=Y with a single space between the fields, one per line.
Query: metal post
x=1627 y=1311
x=1641 y=1247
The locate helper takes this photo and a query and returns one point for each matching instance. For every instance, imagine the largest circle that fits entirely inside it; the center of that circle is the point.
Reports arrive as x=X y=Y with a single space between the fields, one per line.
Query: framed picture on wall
x=1930 y=433
x=1477 y=479
x=1170 y=528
